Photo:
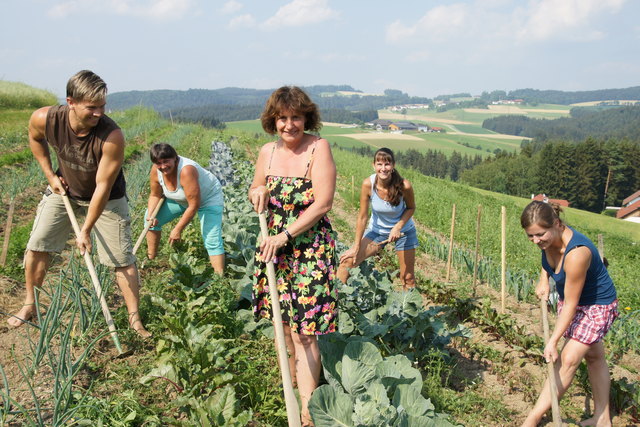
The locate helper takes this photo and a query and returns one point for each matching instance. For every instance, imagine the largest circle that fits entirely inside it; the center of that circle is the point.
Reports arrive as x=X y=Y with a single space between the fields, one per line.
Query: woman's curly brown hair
x=294 y=99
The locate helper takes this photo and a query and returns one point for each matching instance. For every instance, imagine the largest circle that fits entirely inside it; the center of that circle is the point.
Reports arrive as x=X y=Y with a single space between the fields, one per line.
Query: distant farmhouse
x=401 y=126
x=408 y=107
x=630 y=210
x=543 y=198
x=508 y=102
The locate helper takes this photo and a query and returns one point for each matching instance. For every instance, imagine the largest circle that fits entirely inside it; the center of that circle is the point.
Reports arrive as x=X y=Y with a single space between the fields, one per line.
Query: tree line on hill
x=431 y=163
x=600 y=123
x=589 y=174
x=566 y=98
x=215 y=115
x=327 y=97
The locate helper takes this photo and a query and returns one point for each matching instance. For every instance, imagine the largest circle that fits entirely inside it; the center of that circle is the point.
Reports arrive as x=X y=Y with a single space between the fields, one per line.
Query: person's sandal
x=134 y=319
x=26 y=319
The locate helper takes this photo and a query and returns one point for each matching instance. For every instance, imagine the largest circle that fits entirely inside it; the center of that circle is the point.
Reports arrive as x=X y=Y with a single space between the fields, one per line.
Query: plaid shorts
x=591 y=322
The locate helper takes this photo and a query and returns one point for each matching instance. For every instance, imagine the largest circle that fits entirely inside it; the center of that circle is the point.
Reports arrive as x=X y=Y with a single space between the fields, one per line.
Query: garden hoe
x=94 y=277
x=293 y=412
x=148 y=226
x=553 y=387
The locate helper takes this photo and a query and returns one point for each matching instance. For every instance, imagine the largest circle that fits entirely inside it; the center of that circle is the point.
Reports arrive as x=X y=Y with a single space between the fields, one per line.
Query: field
x=208 y=363
x=470 y=139
x=463 y=130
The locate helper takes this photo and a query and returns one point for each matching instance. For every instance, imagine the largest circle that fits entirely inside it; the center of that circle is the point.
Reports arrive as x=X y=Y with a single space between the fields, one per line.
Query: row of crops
x=209 y=363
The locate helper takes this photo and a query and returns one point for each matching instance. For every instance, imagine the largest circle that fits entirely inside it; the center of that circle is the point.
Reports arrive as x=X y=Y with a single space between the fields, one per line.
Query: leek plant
x=55 y=349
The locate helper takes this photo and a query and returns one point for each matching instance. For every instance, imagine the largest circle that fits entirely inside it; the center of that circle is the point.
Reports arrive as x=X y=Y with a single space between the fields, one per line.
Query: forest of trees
x=566 y=98
x=166 y=100
x=432 y=162
x=214 y=115
x=576 y=172
x=615 y=122
x=338 y=115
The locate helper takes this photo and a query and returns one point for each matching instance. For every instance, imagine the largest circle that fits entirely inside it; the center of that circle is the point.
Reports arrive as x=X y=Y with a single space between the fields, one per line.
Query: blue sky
x=422 y=47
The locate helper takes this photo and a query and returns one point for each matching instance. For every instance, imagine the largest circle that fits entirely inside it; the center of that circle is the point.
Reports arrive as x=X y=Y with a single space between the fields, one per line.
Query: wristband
x=289 y=236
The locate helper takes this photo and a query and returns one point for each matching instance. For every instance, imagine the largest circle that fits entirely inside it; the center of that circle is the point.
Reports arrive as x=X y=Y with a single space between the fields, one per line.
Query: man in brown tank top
x=90 y=151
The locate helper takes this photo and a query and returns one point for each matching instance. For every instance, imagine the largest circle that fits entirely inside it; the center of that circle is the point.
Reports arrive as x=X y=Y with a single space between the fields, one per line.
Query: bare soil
x=512 y=378
x=515 y=379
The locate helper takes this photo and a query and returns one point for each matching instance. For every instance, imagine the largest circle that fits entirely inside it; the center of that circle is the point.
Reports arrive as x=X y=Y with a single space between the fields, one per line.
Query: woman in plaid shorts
x=587 y=307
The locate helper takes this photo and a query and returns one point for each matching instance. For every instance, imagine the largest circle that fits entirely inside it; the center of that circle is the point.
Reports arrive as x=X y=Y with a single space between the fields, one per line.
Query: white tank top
x=210 y=188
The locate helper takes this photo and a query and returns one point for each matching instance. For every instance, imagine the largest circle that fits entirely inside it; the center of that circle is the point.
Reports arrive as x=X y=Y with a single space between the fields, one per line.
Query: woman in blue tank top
x=189 y=189
x=586 y=309
x=392 y=206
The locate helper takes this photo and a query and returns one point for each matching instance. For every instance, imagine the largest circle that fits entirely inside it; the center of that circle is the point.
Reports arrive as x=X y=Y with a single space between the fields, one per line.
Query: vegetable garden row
x=208 y=362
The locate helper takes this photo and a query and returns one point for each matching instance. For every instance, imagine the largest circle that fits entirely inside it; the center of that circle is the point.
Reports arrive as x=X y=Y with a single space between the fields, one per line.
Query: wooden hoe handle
x=94 y=277
x=553 y=387
x=293 y=412
x=148 y=226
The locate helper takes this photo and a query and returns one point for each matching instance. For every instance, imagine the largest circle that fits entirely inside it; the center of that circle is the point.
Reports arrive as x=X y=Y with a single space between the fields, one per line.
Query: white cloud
x=231 y=6
x=242 y=21
x=496 y=23
x=546 y=19
x=438 y=23
x=154 y=9
x=299 y=13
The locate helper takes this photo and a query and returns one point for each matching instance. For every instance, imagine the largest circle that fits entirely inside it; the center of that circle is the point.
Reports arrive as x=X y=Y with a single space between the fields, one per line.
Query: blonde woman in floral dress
x=295 y=179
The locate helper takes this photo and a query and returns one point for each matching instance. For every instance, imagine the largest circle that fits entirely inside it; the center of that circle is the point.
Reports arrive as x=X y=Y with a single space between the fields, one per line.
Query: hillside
x=206 y=352
x=342 y=97
x=609 y=123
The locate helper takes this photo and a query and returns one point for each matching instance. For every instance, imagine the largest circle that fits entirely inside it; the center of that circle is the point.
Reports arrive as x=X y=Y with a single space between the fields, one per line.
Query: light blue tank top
x=384 y=215
x=210 y=188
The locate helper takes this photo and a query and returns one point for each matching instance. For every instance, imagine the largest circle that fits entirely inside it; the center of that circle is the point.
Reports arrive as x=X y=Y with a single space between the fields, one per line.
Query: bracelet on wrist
x=289 y=236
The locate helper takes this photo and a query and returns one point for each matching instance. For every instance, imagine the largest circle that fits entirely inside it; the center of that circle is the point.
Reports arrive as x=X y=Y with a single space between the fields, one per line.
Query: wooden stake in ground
x=503 y=267
x=94 y=277
x=7 y=232
x=293 y=412
x=477 y=260
x=353 y=187
x=553 y=387
x=148 y=226
x=601 y=246
x=453 y=227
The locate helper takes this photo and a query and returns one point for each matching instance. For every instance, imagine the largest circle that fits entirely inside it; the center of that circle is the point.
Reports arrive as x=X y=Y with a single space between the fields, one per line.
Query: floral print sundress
x=305 y=267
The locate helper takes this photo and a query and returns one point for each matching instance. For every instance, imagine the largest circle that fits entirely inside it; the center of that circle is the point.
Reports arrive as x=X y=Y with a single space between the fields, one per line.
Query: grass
x=19 y=96
x=445 y=142
x=435 y=197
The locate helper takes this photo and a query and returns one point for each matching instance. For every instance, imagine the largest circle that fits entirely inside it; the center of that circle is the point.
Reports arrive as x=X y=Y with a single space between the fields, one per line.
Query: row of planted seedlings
x=623 y=337
x=56 y=350
x=57 y=345
x=522 y=266
x=520 y=283
x=211 y=352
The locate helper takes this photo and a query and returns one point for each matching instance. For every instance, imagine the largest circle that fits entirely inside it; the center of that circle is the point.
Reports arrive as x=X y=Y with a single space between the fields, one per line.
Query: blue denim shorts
x=404 y=243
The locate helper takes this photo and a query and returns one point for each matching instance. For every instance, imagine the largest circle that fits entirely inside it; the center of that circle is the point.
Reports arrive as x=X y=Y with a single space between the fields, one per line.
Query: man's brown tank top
x=79 y=156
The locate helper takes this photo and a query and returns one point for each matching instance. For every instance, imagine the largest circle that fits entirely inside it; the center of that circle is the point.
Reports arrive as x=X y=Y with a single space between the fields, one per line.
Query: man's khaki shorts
x=111 y=233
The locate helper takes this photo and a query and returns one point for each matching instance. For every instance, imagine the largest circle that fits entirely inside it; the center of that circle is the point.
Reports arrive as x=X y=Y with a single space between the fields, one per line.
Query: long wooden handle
x=553 y=387
x=293 y=412
x=148 y=226
x=384 y=242
x=7 y=232
x=94 y=277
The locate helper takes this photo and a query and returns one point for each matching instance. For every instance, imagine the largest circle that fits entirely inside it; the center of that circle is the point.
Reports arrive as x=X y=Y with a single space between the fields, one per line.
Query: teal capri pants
x=210 y=223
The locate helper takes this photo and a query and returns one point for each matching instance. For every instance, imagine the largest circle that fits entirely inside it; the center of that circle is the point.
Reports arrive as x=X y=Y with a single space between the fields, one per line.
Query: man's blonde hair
x=85 y=85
